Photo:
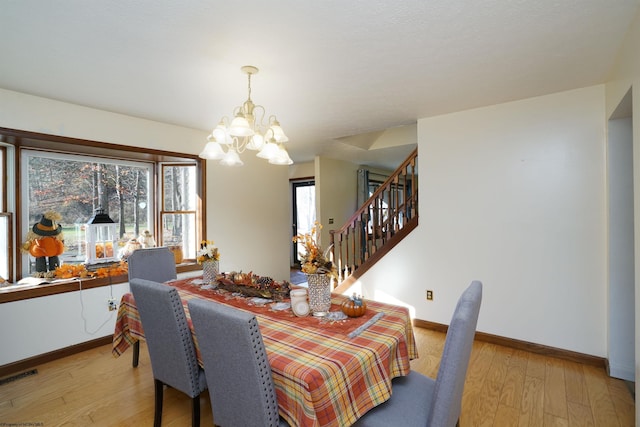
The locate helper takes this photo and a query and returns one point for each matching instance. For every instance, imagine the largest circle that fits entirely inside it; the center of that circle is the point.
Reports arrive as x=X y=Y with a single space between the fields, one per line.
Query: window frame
x=189 y=255
x=66 y=145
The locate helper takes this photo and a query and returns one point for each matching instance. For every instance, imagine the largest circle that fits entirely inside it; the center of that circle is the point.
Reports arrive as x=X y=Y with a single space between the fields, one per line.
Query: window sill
x=11 y=293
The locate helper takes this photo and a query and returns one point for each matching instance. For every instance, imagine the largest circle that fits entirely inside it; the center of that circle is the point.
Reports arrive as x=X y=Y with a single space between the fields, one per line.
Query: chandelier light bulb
x=256 y=143
x=269 y=150
x=240 y=126
x=231 y=158
x=212 y=151
x=278 y=133
x=281 y=157
x=220 y=132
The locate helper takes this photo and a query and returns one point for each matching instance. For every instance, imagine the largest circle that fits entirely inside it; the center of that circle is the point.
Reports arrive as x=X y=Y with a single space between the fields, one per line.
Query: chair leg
x=195 y=411
x=136 y=354
x=157 y=417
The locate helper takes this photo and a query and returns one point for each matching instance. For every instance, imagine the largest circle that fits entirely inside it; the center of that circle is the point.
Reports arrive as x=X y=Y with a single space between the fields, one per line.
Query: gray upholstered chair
x=236 y=366
x=170 y=344
x=157 y=264
x=418 y=400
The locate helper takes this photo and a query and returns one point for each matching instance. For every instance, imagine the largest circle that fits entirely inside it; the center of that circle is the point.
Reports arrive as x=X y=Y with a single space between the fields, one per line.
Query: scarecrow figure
x=44 y=241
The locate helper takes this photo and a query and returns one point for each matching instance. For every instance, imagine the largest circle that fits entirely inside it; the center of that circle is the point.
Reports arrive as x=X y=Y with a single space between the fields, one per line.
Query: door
x=304 y=213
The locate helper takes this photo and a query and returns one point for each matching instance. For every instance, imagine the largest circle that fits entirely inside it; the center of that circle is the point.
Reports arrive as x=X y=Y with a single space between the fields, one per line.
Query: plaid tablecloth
x=322 y=376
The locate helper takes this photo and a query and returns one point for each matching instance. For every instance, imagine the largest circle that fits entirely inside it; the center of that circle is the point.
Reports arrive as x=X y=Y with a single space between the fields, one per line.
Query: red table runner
x=322 y=376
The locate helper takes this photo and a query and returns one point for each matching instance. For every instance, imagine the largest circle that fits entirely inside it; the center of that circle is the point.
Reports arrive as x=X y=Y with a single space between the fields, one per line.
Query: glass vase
x=209 y=271
x=319 y=294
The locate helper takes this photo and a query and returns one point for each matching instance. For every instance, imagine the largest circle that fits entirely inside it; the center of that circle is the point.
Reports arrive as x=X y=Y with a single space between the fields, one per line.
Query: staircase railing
x=379 y=224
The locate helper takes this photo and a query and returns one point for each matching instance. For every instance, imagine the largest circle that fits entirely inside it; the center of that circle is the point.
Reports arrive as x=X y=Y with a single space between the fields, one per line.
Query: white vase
x=319 y=294
x=209 y=271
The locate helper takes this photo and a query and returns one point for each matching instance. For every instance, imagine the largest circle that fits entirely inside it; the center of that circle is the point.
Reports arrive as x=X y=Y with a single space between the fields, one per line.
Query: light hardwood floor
x=505 y=387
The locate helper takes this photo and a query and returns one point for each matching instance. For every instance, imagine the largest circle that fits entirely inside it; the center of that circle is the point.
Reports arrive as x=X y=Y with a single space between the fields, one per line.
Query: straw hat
x=48 y=225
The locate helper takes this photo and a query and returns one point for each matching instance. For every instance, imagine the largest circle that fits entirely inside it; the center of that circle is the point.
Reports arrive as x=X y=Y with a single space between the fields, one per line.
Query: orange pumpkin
x=354 y=308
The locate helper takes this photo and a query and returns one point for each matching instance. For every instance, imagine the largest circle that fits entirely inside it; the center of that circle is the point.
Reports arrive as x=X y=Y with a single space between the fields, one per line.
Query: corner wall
x=512 y=195
x=245 y=211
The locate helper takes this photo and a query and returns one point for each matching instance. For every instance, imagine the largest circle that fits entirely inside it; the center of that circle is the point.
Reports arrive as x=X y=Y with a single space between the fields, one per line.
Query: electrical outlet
x=112 y=304
x=429 y=295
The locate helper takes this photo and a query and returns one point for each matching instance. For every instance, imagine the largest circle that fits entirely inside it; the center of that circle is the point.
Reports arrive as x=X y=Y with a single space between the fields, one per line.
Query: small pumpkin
x=354 y=307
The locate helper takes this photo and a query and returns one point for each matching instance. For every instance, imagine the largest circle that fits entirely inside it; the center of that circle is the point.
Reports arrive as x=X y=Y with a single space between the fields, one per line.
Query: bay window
x=141 y=190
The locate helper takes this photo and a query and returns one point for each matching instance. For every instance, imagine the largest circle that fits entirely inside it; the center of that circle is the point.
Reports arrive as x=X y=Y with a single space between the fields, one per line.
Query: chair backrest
x=156 y=264
x=235 y=364
x=447 y=398
x=167 y=333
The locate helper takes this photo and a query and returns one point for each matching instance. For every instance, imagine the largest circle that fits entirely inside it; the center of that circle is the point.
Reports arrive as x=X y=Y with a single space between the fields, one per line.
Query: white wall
x=32 y=113
x=245 y=211
x=248 y=216
x=512 y=195
x=302 y=170
x=336 y=194
x=40 y=325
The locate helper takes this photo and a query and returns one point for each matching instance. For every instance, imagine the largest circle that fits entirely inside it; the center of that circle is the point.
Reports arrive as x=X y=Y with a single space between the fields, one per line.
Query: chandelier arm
x=258 y=124
x=240 y=143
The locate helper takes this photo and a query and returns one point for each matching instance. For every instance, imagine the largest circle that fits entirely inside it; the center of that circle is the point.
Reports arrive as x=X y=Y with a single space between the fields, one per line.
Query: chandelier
x=247 y=131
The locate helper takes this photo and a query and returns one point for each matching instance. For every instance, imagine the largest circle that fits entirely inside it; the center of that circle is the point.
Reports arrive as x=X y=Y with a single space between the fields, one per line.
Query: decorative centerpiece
x=208 y=256
x=319 y=270
x=252 y=285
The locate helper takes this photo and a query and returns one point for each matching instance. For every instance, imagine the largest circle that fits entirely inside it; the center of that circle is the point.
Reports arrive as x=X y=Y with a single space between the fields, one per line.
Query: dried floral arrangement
x=314 y=260
x=207 y=252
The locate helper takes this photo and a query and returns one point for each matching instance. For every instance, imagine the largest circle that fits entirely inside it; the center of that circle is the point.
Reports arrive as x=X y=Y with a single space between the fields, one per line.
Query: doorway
x=621 y=275
x=304 y=213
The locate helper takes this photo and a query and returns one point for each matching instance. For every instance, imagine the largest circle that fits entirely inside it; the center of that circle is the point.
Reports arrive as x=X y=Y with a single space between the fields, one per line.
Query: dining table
x=327 y=371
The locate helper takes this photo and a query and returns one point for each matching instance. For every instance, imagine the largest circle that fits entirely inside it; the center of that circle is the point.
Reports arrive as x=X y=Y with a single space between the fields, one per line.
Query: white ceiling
x=328 y=68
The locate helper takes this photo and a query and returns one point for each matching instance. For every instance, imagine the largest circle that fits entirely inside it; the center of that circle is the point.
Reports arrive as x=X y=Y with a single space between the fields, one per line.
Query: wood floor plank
x=511 y=394
x=482 y=411
x=519 y=358
x=579 y=415
x=532 y=410
x=479 y=363
x=553 y=421
x=604 y=413
x=499 y=364
x=555 y=395
x=536 y=366
x=506 y=416
x=576 y=388
x=622 y=402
